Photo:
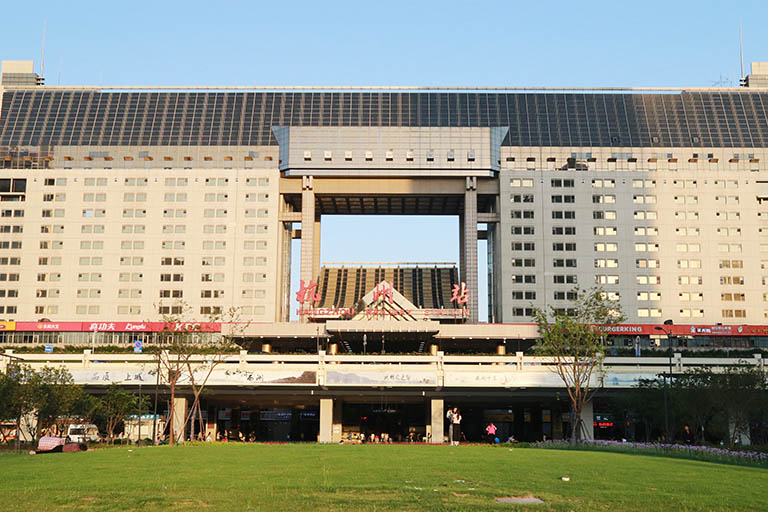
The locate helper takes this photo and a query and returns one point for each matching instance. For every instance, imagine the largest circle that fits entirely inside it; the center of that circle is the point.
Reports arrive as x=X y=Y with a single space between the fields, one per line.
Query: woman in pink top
x=490 y=431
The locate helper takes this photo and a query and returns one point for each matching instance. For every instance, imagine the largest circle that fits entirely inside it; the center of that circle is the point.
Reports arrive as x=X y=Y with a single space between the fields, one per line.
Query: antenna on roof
x=42 y=56
x=742 y=79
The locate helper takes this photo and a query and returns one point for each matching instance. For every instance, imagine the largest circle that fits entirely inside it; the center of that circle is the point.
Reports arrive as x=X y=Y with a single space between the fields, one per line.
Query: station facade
x=124 y=207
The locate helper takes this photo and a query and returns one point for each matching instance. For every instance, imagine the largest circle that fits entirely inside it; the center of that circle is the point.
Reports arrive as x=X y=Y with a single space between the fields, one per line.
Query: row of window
x=389 y=156
x=611 y=183
x=134 y=293
x=170 y=182
x=138 y=228
x=94 y=309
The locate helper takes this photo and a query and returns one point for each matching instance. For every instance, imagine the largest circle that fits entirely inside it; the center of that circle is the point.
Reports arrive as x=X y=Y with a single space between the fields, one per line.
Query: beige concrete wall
x=217 y=206
x=704 y=211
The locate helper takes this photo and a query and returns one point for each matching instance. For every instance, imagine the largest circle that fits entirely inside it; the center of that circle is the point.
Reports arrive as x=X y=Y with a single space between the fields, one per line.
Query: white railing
x=323 y=369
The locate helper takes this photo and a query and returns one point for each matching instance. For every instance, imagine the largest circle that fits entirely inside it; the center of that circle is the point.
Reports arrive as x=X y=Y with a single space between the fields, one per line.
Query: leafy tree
x=116 y=404
x=740 y=394
x=181 y=363
x=690 y=402
x=59 y=397
x=572 y=337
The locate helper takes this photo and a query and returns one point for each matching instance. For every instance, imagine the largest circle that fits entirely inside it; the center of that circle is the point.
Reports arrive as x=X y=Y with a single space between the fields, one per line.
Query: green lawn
x=369 y=477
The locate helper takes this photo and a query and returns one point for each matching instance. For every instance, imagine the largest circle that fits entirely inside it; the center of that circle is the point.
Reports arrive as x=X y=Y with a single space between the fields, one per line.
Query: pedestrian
x=456 y=424
x=449 y=416
x=490 y=431
x=687 y=435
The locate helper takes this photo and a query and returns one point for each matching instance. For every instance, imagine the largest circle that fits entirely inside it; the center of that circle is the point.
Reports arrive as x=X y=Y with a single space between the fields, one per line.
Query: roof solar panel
x=714 y=119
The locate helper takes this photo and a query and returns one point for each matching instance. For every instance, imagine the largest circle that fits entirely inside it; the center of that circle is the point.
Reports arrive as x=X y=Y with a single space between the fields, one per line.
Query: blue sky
x=510 y=43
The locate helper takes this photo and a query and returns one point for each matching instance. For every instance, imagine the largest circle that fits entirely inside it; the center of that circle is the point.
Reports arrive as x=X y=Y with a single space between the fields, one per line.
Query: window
x=646 y=263
x=690 y=280
x=688 y=231
x=523 y=230
x=569 y=263
x=732 y=280
x=645 y=215
x=563 y=230
x=523 y=262
x=688 y=263
x=569 y=183
x=606 y=279
x=603 y=199
x=606 y=247
x=606 y=263
x=646 y=231
x=563 y=214
x=732 y=247
x=521 y=198
x=604 y=230
x=564 y=279
x=517 y=182
x=523 y=279
x=604 y=215
x=604 y=183
x=522 y=214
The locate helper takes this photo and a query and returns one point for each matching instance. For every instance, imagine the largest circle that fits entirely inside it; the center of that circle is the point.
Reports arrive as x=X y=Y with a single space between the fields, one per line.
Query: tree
x=183 y=362
x=573 y=338
x=59 y=398
x=115 y=405
x=739 y=393
x=22 y=394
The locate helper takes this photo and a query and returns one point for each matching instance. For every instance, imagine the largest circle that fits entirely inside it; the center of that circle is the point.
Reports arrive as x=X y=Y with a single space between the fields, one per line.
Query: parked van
x=83 y=433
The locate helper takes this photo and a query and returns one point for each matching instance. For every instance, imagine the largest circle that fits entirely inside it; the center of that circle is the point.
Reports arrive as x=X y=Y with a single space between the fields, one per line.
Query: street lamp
x=668 y=333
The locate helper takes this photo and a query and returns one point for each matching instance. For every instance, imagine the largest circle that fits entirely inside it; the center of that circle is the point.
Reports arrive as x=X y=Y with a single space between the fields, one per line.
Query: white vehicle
x=83 y=433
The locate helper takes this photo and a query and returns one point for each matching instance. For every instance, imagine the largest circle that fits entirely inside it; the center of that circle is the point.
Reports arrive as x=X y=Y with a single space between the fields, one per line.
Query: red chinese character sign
x=460 y=294
x=383 y=291
x=307 y=293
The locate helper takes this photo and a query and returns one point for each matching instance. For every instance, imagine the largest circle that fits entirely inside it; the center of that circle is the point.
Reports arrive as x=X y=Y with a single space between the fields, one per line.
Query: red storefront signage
x=119 y=326
x=686 y=330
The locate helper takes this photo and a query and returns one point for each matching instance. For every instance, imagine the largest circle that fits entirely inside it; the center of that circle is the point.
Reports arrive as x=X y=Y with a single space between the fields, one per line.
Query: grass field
x=369 y=477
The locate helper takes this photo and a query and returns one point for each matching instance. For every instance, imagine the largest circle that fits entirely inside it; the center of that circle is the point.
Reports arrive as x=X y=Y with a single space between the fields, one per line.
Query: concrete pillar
x=337 y=425
x=266 y=348
x=436 y=420
x=307 y=229
x=469 y=267
x=179 y=413
x=284 y=299
x=316 y=253
x=501 y=349
x=588 y=417
x=326 y=421
x=433 y=349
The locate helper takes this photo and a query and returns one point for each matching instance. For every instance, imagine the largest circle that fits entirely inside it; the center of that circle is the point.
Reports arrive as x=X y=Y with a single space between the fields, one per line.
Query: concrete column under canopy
x=326 y=421
x=469 y=263
x=437 y=420
x=179 y=413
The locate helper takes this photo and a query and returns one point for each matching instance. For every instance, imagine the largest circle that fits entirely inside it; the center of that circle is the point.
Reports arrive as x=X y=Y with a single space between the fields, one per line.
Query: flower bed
x=704 y=453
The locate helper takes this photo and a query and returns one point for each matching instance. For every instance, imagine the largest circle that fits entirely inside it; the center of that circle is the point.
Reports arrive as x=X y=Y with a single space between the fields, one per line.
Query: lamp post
x=668 y=333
